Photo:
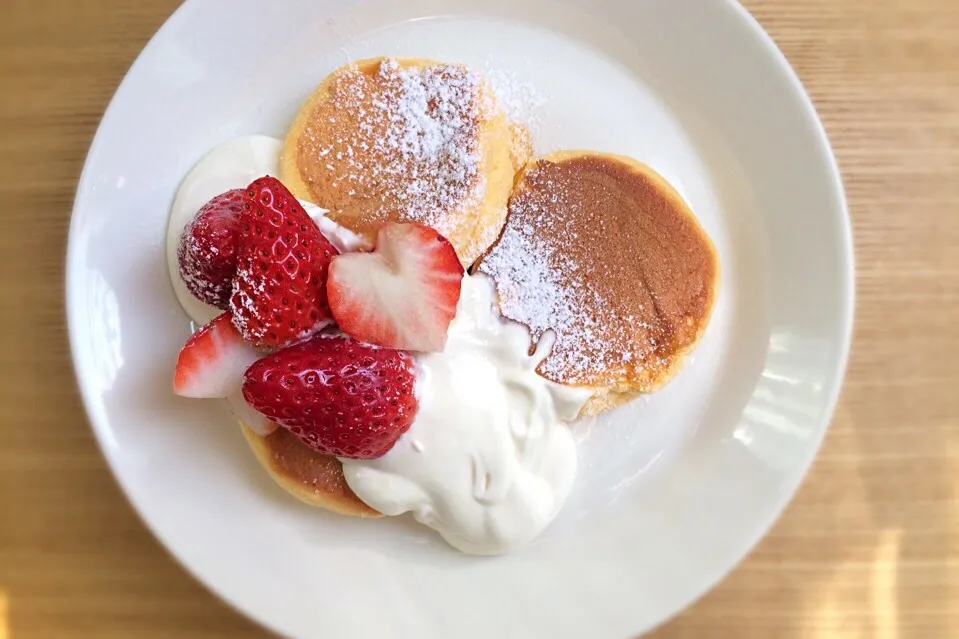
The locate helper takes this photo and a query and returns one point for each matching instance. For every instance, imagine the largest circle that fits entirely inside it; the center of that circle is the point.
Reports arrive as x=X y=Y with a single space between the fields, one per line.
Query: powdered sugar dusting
x=530 y=281
x=545 y=284
x=191 y=259
x=407 y=141
x=520 y=100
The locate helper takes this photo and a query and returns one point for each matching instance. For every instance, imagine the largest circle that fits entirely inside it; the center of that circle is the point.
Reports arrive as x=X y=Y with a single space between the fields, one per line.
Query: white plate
x=673 y=491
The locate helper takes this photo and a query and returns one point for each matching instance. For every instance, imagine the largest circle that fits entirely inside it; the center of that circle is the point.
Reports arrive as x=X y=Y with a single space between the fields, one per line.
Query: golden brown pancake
x=603 y=251
x=521 y=147
x=408 y=140
x=306 y=474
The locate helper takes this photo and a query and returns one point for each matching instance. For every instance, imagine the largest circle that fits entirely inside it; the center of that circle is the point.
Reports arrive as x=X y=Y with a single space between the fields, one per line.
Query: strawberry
x=279 y=292
x=206 y=253
x=213 y=361
x=340 y=397
x=402 y=295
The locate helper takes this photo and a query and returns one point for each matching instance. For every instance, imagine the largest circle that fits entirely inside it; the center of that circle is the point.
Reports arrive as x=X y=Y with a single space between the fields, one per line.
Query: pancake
x=406 y=140
x=521 y=149
x=306 y=474
x=603 y=251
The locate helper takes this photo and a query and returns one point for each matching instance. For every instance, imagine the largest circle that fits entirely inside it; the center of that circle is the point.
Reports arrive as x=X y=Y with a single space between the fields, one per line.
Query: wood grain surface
x=868 y=550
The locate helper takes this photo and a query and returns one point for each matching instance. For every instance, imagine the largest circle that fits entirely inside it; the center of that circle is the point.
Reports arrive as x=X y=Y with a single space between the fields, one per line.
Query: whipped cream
x=234 y=165
x=489 y=459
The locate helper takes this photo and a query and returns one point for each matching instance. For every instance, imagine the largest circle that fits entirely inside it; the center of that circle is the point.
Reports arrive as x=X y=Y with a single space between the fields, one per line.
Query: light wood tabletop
x=869 y=549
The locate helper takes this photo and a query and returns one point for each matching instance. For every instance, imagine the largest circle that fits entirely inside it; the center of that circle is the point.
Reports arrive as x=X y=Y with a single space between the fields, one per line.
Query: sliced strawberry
x=213 y=361
x=206 y=253
x=279 y=293
x=402 y=295
x=338 y=396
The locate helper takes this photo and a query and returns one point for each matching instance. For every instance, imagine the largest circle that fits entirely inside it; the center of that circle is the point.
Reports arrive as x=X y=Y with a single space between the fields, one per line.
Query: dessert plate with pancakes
x=656 y=276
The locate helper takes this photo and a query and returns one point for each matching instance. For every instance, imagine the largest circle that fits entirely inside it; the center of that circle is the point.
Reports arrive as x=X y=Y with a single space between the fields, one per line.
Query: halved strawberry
x=402 y=295
x=279 y=292
x=213 y=361
x=339 y=397
x=206 y=253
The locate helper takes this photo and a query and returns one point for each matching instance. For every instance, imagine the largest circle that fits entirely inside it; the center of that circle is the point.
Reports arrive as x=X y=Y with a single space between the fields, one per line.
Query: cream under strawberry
x=467 y=437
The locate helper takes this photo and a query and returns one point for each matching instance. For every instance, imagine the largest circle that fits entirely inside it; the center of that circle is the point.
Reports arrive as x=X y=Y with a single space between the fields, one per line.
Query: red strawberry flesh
x=403 y=295
x=338 y=396
x=206 y=253
x=279 y=292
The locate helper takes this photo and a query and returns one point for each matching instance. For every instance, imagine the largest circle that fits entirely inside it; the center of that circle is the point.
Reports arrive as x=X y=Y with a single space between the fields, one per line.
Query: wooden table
x=868 y=550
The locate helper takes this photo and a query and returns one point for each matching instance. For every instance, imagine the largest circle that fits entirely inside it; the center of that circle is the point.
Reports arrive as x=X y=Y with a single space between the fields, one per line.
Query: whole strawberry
x=340 y=397
x=279 y=292
x=206 y=253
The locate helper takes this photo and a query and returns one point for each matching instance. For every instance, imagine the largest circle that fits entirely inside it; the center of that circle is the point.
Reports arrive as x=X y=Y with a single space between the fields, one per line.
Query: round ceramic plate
x=673 y=491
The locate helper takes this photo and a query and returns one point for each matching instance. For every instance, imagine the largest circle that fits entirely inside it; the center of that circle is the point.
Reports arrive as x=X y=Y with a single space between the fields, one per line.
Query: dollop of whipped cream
x=489 y=459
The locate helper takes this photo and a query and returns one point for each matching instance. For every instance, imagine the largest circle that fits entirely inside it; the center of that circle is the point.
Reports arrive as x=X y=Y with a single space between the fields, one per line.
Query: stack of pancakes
x=595 y=247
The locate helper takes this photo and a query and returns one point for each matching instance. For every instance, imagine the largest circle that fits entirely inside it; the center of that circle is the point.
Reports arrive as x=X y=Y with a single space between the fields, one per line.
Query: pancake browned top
x=310 y=476
x=603 y=251
x=406 y=140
